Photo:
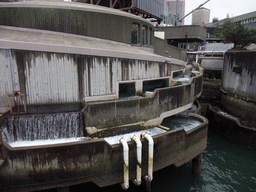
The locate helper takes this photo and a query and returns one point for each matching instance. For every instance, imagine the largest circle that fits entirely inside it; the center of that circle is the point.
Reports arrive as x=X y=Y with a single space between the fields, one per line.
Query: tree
x=237 y=34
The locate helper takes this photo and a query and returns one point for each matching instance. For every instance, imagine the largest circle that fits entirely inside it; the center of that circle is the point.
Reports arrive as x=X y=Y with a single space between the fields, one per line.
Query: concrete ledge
x=94 y=161
x=72 y=6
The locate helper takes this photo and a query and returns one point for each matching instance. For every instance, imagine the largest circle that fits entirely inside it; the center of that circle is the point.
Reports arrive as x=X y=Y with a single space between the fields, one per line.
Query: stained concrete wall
x=238 y=84
x=55 y=78
x=166 y=50
x=163 y=102
x=74 y=18
x=179 y=32
x=37 y=168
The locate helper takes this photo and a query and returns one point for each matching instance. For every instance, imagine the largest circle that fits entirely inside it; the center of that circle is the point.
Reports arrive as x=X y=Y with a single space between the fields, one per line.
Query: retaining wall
x=55 y=78
x=238 y=84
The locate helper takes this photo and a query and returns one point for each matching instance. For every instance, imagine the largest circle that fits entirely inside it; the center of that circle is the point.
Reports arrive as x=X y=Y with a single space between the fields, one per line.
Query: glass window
x=144 y=35
x=149 y=36
x=135 y=33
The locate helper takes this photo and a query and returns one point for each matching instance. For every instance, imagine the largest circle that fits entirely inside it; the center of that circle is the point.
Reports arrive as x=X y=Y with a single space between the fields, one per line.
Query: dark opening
x=144 y=35
x=126 y=90
x=177 y=74
x=151 y=85
x=212 y=74
x=135 y=33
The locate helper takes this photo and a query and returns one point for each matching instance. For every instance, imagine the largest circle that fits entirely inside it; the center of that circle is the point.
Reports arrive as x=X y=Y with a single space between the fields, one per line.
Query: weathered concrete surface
x=230 y=128
x=164 y=102
x=211 y=89
x=70 y=17
x=55 y=78
x=166 y=50
x=35 y=168
x=50 y=41
x=178 y=32
x=238 y=84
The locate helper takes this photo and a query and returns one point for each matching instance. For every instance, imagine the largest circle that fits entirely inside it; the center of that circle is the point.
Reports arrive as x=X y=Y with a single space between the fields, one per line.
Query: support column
x=197 y=164
x=145 y=185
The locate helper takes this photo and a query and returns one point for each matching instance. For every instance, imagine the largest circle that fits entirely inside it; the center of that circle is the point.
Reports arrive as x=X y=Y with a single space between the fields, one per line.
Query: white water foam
x=47 y=142
x=115 y=139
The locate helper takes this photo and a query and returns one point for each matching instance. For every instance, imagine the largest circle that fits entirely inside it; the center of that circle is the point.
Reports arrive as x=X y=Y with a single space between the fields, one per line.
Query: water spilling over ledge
x=93 y=67
x=21 y=128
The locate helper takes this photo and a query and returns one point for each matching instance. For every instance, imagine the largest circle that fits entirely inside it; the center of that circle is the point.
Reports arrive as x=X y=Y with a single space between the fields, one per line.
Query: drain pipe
x=150 y=155
x=125 y=184
x=137 y=181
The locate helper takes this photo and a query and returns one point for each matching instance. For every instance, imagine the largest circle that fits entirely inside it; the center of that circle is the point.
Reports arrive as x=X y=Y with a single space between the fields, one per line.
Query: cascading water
x=36 y=127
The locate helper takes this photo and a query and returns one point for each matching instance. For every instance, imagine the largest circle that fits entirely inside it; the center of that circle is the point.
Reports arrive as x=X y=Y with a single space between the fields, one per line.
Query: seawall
x=238 y=93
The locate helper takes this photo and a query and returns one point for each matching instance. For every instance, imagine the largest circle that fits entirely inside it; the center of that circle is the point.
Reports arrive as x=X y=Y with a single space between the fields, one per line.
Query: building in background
x=170 y=11
x=187 y=37
x=247 y=20
x=150 y=9
x=201 y=16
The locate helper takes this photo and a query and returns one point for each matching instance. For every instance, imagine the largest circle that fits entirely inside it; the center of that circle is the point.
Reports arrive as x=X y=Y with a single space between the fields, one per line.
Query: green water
x=225 y=167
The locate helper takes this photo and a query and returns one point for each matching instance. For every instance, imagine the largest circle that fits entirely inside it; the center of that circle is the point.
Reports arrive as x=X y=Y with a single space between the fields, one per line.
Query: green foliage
x=237 y=34
x=217 y=32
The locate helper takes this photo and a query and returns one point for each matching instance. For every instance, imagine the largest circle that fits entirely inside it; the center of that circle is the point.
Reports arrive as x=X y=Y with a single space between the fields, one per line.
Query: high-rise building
x=201 y=16
x=171 y=7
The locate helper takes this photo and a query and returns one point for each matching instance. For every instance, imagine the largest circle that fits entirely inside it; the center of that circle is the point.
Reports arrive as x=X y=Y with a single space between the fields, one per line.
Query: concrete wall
x=55 y=78
x=162 y=48
x=37 y=168
x=162 y=103
x=178 y=32
x=238 y=84
x=74 y=18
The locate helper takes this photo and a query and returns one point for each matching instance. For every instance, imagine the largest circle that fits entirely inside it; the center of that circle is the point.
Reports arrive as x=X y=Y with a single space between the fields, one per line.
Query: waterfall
x=42 y=126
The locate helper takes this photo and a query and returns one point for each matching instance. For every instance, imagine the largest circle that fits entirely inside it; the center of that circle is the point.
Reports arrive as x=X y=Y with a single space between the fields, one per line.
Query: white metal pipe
x=137 y=181
x=125 y=184
x=150 y=154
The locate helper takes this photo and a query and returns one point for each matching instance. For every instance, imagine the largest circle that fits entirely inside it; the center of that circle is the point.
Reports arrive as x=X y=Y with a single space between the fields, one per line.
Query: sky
x=220 y=8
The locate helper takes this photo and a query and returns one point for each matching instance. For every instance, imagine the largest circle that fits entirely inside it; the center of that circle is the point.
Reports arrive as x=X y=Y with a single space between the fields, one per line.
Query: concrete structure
x=231 y=127
x=248 y=20
x=201 y=16
x=238 y=85
x=88 y=72
x=188 y=37
x=164 y=49
x=171 y=9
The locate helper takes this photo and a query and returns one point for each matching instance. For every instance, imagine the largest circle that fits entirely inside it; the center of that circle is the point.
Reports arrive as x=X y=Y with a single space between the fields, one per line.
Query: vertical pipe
x=125 y=184
x=137 y=181
x=150 y=154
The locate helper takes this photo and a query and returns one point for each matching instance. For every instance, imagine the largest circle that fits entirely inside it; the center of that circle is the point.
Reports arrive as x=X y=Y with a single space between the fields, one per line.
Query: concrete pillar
x=146 y=184
x=63 y=189
x=197 y=164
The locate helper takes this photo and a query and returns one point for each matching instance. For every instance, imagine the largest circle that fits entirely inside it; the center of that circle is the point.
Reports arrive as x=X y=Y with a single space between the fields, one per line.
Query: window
x=149 y=36
x=144 y=35
x=151 y=85
x=135 y=33
x=126 y=90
